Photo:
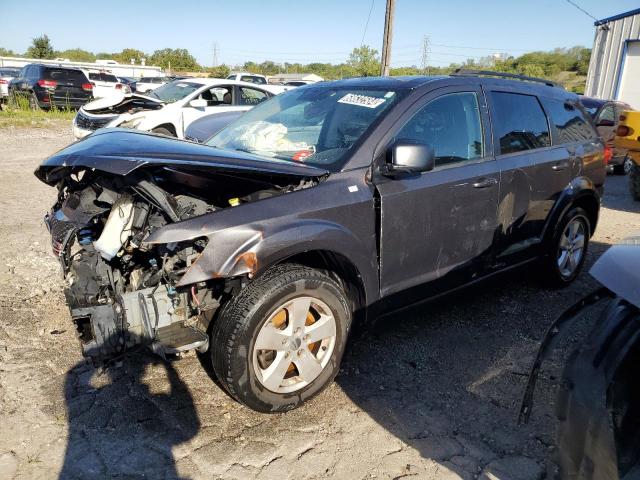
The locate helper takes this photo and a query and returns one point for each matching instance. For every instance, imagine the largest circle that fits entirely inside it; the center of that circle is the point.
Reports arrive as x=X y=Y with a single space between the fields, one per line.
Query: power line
x=581 y=9
x=366 y=25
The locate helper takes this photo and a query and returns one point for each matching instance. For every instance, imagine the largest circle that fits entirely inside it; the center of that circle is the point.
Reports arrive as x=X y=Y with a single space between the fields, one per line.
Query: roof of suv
x=413 y=82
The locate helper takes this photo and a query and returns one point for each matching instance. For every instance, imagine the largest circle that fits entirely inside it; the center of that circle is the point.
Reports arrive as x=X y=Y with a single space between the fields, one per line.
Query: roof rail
x=462 y=72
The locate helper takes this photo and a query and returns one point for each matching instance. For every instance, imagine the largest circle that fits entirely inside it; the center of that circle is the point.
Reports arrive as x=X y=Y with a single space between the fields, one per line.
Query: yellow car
x=628 y=137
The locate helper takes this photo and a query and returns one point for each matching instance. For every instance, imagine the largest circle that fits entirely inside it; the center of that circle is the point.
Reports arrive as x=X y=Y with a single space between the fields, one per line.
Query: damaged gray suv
x=326 y=206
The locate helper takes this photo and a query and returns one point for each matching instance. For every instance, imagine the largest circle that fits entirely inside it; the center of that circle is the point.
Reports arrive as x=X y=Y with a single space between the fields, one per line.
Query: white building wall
x=117 y=69
x=606 y=57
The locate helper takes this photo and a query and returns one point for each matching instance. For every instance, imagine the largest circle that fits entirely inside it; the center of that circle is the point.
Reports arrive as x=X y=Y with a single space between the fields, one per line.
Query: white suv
x=105 y=84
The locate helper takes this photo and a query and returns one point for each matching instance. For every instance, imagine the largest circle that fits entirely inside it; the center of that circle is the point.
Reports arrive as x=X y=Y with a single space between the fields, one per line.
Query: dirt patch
x=432 y=392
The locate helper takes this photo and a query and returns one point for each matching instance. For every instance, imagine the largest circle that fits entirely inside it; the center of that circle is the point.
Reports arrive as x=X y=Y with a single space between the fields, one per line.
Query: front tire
x=279 y=342
x=568 y=249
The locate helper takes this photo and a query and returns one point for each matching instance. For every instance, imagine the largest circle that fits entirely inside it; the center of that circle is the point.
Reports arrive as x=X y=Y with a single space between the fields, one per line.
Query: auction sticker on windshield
x=362 y=100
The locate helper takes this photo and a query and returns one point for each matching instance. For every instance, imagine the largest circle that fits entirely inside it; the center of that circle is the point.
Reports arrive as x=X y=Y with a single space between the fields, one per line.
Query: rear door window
x=519 y=123
x=251 y=96
x=451 y=125
x=570 y=121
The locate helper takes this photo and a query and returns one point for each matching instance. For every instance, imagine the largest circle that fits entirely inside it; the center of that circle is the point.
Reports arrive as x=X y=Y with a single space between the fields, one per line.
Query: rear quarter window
x=519 y=122
x=570 y=121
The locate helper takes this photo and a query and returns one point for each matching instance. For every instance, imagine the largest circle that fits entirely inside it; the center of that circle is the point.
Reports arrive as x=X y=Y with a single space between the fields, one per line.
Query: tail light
x=118 y=86
x=608 y=154
x=87 y=87
x=47 y=83
x=3 y=81
x=623 y=131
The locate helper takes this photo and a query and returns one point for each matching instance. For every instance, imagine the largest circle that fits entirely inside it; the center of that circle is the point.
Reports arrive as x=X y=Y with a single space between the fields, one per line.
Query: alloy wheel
x=571 y=247
x=627 y=165
x=294 y=345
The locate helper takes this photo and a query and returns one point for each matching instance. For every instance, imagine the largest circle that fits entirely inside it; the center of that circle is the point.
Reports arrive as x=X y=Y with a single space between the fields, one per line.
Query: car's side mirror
x=605 y=123
x=409 y=156
x=198 y=103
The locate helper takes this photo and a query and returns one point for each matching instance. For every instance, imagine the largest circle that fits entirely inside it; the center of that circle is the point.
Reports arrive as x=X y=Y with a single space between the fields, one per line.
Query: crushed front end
x=127 y=285
x=120 y=291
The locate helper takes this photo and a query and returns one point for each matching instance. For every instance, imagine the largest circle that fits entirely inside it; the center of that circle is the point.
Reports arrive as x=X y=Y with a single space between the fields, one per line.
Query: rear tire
x=634 y=181
x=279 y=310
x=568 y=250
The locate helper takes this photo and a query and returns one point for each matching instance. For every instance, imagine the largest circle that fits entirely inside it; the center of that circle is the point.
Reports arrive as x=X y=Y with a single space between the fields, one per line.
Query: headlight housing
x=132 y=123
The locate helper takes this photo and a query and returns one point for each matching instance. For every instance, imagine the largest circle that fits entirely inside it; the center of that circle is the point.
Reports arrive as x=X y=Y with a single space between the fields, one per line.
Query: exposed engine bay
x=123 y=292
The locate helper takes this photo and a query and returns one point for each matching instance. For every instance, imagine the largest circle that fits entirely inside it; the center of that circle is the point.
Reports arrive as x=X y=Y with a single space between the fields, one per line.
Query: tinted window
x=64 y=74
x=144 y=80
x=570 y=121
x=450 y=125
x=251 y=96
x=519 y=123
x=103 y=77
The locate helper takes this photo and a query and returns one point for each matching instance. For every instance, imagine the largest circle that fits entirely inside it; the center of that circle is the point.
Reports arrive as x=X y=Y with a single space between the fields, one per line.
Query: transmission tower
x=215 y=54
x=425 y=55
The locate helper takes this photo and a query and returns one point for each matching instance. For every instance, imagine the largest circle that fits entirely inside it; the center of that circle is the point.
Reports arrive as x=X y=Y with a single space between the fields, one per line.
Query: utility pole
x=425 y=55
x=386 y=39
x=215 y=54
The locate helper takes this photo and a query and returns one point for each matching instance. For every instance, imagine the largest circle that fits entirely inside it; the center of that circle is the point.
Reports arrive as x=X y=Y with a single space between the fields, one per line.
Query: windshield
x=315 y=125
x=174 y=91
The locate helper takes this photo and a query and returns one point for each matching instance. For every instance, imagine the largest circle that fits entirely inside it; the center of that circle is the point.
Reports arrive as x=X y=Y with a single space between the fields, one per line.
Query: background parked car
x=146 y=84
x=204 y=128
x=105 y=84
x=45 y=86
x=606 y=116
x=248 y=77
x=171 y=108
x=6 y=75
x=128 y=81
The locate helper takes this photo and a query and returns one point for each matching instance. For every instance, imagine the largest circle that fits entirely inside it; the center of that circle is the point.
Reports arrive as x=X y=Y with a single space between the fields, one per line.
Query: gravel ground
x=431 y=392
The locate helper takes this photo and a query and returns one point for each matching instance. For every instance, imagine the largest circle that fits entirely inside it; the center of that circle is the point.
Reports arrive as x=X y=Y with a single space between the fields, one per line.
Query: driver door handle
x=485 y=182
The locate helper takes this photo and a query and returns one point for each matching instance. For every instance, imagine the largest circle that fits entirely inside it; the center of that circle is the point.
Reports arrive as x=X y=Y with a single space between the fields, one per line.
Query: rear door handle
x=560 y=166
x=485 y=182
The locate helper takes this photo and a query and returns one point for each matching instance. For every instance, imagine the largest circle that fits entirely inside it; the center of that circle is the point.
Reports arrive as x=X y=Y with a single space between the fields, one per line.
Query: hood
x=119 y=102
x=121 y=151
x=618 y=269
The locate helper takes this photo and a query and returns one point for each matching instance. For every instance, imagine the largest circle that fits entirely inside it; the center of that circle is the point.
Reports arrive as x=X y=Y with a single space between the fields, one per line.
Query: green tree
x=7 y=53
x=220 y=71
x=41 y=48
x=364 y=61
x=127 y=54
x=105 y=56
x=77 y=55
x=175 y=59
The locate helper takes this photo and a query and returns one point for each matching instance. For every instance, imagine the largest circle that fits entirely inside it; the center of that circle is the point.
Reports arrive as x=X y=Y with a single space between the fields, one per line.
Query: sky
x=306 y=30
